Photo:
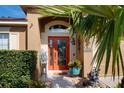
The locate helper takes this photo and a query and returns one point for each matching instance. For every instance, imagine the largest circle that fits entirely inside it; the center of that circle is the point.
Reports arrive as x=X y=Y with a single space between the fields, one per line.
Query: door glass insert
x=61 y=52
x=51 y=54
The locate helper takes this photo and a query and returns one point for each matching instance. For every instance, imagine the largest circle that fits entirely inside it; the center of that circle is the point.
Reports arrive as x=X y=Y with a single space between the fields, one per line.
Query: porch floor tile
x=63 y=81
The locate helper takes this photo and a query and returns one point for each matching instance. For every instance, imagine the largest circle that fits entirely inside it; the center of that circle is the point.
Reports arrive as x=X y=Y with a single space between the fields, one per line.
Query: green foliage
x=75 y=63
x=37 y=84
x=16 y=68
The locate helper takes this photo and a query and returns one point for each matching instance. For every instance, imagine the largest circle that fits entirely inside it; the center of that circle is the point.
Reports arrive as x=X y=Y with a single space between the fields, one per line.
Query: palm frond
x=105 y=23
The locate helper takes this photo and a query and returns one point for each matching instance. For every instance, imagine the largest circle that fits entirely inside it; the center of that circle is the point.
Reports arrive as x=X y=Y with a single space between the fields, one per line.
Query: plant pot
x=74 y=71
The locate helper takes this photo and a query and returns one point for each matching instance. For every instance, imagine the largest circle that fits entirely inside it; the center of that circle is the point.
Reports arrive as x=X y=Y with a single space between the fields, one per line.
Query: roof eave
x=14 y=23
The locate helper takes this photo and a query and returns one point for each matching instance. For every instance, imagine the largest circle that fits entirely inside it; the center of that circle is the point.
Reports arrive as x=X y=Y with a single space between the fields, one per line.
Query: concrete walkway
x=110 y=82
x=63 y=81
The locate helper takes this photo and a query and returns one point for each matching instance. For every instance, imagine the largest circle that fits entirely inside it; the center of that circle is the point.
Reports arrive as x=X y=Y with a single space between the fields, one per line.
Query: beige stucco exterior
x=34 y=36
x=88 y=55
x=34 y=39
x=22 y=36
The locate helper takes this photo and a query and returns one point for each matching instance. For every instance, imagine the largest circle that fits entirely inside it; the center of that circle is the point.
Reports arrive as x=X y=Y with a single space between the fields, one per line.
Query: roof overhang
x=30 y=8
x=13 y=21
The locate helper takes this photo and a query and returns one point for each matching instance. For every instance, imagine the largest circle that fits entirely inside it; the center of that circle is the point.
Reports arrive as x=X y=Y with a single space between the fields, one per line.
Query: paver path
x=59 y=81
x=110 y=82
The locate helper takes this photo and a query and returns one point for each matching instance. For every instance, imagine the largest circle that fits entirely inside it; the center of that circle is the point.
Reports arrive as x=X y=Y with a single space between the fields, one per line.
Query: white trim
x=15 y=33
x=58 y=71
x=8 y=22
x=94 y=48
x=4 y=32
x=47 y=26
x=52 y=72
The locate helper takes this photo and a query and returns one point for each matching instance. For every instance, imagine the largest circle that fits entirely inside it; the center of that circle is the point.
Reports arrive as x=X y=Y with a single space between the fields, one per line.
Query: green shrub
x=17 y=68
x=37 y=84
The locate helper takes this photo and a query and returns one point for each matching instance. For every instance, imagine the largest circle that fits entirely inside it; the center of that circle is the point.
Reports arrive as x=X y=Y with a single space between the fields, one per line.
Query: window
x=4 y=40
x=58 y=28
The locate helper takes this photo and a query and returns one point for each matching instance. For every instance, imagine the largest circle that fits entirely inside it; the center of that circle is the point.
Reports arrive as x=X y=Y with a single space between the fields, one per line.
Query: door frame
x=68 y=53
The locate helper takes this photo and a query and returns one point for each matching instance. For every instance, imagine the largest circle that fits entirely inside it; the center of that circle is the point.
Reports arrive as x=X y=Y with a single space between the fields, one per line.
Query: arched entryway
x=56 y=41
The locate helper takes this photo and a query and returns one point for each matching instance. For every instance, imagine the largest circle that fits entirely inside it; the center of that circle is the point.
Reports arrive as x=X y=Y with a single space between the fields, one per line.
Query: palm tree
x=103 y=23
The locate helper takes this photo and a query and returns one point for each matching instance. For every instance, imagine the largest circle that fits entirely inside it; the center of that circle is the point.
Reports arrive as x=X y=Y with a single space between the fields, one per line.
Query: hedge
x=17 y=68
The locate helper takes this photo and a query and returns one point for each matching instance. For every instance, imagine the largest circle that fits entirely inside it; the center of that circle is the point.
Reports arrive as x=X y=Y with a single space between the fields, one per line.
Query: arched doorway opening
x=56 y=41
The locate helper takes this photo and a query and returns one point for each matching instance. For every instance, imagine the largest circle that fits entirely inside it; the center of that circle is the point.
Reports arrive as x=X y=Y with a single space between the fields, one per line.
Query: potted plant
x=74 y=67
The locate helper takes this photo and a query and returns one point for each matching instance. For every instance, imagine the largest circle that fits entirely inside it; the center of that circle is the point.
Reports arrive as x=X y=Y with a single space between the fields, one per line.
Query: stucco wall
x=33 y=32
x=22 y=36
x=88 y=55
x=33 y=39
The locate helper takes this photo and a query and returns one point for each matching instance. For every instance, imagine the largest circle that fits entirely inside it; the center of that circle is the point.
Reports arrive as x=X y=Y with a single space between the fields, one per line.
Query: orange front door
x=58 y=50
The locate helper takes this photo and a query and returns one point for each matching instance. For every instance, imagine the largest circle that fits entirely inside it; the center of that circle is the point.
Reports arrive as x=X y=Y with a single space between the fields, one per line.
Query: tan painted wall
x=33 y=39
x=88 y=55
x=22 y=36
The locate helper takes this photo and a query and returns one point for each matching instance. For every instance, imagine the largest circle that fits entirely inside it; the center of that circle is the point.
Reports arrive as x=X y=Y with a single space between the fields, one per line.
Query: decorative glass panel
x=51 y=42
x=58 y=28
x=4 y=41
x=61 y=52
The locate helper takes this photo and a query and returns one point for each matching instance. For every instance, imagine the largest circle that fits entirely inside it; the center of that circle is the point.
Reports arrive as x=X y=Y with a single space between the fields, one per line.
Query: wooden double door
x=58 y=53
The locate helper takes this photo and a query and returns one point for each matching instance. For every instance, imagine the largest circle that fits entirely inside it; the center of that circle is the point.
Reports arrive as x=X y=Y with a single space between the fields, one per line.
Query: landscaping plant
x=75 y=63
x=17 y=68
